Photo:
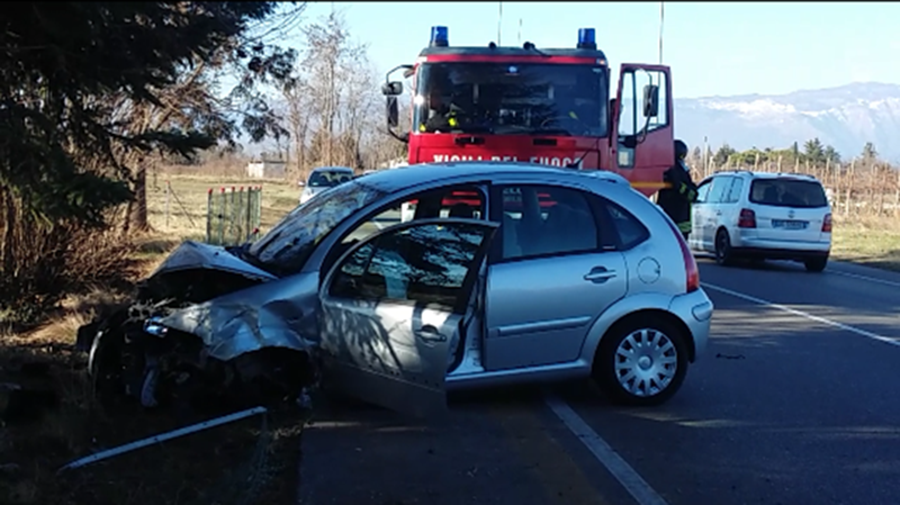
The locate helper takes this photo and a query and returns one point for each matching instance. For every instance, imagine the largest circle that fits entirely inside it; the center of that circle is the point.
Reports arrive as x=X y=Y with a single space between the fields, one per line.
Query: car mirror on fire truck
x=651 y=100
x=394 y=88
x=393 y=114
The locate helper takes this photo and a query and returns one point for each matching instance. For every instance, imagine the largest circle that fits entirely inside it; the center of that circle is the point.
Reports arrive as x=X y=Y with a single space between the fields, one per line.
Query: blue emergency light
x=586 y=38
x=439 y=36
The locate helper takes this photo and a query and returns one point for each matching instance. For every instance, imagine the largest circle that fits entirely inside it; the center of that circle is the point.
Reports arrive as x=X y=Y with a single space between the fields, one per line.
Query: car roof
x=766 y=175
x=332 y=169
x=412 y=175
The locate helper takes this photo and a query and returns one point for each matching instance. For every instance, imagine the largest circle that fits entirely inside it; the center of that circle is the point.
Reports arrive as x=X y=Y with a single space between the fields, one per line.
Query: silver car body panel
x=546 y=320
x=395 y=353
x=280 y=313
x=681 y=306
x=191 y=255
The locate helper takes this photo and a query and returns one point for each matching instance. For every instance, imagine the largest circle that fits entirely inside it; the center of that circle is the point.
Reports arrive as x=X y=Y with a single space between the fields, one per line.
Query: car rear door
x=788 y=209
x=552 y=271
x=391 y=306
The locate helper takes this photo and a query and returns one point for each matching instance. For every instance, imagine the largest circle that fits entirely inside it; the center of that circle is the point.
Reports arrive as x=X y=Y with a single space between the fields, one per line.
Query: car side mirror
x=393 y=88
x=651 y=100
x=393 y=113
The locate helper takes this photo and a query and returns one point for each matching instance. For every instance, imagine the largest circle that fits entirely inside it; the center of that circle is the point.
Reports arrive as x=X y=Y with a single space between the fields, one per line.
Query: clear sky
x=729 y=48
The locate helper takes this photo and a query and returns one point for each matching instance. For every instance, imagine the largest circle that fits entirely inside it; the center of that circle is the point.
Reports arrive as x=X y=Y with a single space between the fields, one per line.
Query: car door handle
x=429 y=333
x=718 y=212
x=599 y=275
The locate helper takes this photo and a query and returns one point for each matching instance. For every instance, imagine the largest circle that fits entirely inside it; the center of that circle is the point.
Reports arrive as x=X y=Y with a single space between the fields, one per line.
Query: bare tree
x=335 y=110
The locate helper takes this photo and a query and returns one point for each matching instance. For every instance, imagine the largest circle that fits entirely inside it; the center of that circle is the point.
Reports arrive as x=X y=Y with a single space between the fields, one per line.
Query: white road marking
x=829 y=322
x=621 y=470
x=865 y=278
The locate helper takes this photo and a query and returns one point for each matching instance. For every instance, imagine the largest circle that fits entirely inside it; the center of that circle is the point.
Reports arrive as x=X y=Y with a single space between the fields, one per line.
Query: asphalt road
x=795 y=402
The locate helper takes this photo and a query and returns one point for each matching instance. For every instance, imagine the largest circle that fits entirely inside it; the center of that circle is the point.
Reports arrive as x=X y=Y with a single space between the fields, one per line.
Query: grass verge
x=873 y=242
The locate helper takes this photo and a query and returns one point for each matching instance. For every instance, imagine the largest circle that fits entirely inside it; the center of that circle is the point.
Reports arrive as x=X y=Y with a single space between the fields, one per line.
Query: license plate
x=789 y=225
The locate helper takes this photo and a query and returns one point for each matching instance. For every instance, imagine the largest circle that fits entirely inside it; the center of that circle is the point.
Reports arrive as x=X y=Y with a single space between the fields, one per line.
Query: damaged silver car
x=394 y=288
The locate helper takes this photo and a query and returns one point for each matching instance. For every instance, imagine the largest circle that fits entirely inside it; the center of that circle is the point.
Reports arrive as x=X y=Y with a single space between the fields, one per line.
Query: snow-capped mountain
x=845 y=117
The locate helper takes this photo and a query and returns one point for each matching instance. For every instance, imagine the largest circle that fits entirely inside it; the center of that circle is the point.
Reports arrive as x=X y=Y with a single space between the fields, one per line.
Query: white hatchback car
x=758 y=215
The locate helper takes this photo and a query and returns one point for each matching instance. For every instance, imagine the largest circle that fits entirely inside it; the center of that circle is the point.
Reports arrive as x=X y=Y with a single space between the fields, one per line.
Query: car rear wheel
x=723 y=248
x=816 y=264
x=641 y=361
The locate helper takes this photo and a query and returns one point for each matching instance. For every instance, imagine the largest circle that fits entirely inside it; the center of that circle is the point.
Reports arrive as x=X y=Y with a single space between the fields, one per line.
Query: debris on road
x=180 y=432
x=727 y=356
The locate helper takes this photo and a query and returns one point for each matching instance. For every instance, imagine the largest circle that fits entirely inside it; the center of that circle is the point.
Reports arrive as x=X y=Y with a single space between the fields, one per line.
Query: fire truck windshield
x=511 y=98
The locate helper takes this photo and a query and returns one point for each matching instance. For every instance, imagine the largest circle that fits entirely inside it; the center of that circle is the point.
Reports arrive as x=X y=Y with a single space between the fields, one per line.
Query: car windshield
x=503 y=98
x=287 y=246
x=328 y=178
x=788 y=193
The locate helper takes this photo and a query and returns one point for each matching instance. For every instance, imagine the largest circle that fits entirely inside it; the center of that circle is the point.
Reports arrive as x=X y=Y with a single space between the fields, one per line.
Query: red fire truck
x=531 y=104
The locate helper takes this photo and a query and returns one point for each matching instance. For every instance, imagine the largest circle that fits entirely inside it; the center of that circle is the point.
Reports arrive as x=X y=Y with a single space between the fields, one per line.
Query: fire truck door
x=642 y=134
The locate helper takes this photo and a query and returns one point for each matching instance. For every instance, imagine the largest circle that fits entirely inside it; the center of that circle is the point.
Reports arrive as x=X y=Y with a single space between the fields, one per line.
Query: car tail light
x=691 y=272
x=826 y=224
x=747 y=219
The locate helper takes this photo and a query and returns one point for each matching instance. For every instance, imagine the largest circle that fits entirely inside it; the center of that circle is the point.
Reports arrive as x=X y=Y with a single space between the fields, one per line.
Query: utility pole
x=520 y=31
x=661 y=20
x=499 y=23
x=705 y=155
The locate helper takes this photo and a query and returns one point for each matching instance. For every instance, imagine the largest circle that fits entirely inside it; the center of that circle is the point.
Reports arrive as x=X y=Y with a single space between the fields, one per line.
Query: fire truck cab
x=531 y=104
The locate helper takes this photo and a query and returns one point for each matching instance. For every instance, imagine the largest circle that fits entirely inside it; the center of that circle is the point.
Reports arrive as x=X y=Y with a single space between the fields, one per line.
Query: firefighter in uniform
x=676 y=199
x=443 y=116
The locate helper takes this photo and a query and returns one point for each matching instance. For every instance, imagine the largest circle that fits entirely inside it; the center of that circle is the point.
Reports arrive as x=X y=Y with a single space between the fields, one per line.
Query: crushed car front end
x=206 y=327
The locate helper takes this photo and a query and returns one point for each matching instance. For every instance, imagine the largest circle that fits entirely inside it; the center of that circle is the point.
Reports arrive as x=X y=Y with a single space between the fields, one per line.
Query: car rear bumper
x=695 y=311
x=782 y=253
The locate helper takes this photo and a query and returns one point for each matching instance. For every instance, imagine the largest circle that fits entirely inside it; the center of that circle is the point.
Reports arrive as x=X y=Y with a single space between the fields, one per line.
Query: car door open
x=392 y=307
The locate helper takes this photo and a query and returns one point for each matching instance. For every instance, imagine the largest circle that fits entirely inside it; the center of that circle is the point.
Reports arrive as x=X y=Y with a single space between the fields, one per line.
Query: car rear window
x=788 y=193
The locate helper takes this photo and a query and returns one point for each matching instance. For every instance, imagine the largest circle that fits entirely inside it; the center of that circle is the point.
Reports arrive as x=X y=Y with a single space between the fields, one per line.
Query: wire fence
x=233 y=217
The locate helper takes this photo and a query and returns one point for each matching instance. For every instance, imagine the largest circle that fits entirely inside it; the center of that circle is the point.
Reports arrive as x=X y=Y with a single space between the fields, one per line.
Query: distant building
x=267 y=169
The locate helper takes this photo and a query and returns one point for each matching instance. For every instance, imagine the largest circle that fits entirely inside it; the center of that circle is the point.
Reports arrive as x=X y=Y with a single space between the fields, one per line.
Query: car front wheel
x=641 y=362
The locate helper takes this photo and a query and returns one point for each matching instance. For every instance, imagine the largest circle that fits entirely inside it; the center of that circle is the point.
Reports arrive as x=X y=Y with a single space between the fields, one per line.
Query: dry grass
x=188 y=201
x=870 y=241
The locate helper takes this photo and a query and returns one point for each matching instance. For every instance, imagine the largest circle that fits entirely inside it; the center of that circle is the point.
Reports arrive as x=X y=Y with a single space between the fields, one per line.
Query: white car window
x=719 y=186
x=734 y=192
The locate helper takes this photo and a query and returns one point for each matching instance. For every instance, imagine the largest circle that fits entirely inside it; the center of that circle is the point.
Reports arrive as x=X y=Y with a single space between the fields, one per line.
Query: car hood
x=280 y=313
x=192 y=255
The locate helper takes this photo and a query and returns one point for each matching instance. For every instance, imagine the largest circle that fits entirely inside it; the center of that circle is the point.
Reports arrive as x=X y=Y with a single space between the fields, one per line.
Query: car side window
x=461 y=201
x=541 y=220
x=703 y=192
x=719 y=185
x=629 y=228
x=425 y=264
x=734 y=192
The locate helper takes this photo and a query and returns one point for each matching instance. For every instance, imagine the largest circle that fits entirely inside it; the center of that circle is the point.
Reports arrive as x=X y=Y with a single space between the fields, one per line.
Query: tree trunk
x=137 y=216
